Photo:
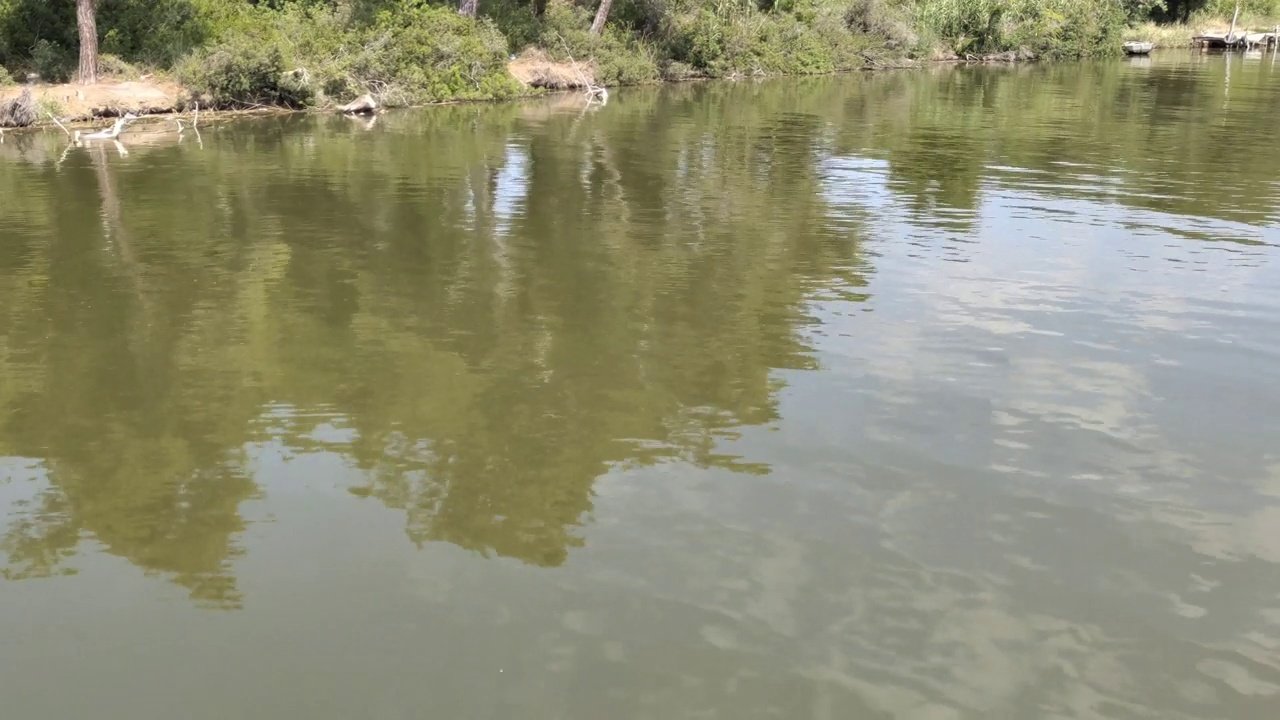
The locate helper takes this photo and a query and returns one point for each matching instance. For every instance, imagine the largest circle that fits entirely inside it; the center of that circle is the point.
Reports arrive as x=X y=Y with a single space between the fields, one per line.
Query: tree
x=602 y=14
x=87 y=22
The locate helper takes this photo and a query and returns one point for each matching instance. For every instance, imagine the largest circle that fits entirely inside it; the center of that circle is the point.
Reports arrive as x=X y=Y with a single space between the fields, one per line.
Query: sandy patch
x=535 y=69
x=78 y=102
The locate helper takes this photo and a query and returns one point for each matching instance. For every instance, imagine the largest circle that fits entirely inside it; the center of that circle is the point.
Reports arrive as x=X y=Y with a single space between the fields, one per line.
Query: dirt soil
x=80 y=102
x=535 y=69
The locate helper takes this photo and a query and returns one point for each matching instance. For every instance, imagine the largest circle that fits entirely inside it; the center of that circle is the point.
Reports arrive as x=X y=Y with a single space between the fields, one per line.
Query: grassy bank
x=1176 y=35
x=1172 y=23
x=314 y=53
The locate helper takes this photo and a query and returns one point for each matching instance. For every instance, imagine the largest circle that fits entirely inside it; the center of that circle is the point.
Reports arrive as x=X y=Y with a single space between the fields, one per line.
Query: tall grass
x=1050 y=28
x=1257 y=15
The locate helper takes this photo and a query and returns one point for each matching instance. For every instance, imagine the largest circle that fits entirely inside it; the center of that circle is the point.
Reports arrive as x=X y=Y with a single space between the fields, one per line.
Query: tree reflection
x=629 y=306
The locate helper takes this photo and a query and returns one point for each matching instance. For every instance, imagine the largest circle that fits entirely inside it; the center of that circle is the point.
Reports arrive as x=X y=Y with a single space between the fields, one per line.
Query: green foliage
x=314 y=52
x=154 y=32
x=6 y=79
x=811 y=40
x=620 y=57
x=431 y=54
x=46 y=106
x=28 y=26
x=51 y=61
x=1068 y=28
x=676 y=71
x=113 y=67
x=1139 y=10
x=301 y=55
x=883 y=19
x=1047 y=28
x=244 y=72
x=1268 y=9
x=516 y=20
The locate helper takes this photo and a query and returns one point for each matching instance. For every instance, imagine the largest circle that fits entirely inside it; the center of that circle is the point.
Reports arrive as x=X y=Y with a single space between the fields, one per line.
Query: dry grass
x=1164 y=36
x=1179 y=35
x=535 y=69
x=18 y=110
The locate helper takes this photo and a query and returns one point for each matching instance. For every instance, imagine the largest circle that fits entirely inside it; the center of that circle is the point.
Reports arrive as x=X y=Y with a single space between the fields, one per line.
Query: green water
x=937 y=394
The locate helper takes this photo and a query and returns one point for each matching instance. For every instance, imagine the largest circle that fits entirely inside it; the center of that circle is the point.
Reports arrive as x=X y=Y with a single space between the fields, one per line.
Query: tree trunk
x=468 y=7
x=602 y=14
x=87 y=21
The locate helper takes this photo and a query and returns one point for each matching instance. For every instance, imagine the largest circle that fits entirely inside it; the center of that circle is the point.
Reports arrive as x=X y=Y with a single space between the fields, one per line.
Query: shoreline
x=156 y=101
x=163 y=100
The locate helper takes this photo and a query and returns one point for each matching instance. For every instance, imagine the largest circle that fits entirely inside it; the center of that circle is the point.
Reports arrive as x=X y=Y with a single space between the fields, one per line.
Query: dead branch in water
x=59 y=124
x=593 y=91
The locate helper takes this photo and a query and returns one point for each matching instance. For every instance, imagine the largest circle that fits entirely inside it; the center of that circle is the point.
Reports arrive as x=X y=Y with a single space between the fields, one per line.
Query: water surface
x=936 y=394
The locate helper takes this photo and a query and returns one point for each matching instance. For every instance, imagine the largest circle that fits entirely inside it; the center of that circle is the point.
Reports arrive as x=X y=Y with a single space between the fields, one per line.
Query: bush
x=52 y=62
x=304 y=56
x=111 y=66
x=676 y=71
x=878 y=18
x=1066 y=28
x=754 y=43
x=155 y=32
x=47 y=106
x=244 y=71
x=515 y=20
x=6 y=80
x=620 y=57
x=1048 y=28
x=429 y=54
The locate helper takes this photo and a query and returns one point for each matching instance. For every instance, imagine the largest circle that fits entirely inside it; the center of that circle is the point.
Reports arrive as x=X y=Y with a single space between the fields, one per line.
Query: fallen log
x=363 y=105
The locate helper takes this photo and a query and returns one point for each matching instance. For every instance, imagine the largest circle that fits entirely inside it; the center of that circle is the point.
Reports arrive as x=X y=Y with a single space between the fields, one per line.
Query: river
x=949 y=393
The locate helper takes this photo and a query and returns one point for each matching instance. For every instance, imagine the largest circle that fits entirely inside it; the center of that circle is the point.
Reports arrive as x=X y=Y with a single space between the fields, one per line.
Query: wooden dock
x=1238 y=40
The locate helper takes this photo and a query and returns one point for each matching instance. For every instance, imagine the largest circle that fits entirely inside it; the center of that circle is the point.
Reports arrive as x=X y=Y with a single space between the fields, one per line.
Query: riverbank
x=80 y=107
x=66 y=101
x=296 y=54
x=293 y=55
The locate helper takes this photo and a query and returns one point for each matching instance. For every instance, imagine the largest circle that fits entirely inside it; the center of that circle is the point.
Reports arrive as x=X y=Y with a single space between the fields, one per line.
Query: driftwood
x=109 y=134
x=19 y=111
x=363 y=105
x=594 y=92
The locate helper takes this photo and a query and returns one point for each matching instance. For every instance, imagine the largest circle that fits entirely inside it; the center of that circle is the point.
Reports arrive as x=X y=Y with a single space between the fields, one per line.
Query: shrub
x=155 y=32
x=620 y=58
x=515 y=20
x=47 y=106
x=428 y=54
x=878 y=18
x=111 y=66
x=676 y=71
x=309 y=56
x=755 y=43
x=1048 y=28
x=1066 y=28
x=241 y=72
x=6 y=80
x=51 y=61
